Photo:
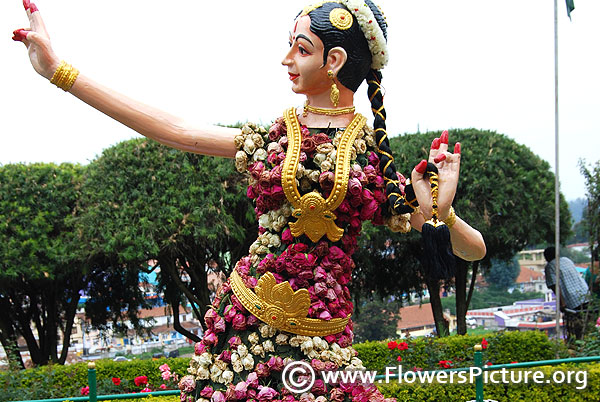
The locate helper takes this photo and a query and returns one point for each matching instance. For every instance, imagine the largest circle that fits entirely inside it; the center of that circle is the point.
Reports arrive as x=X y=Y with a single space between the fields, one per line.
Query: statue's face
x=304 y=60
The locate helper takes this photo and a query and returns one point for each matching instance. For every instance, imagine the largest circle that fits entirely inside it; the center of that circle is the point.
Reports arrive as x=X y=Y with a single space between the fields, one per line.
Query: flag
x=570 y=7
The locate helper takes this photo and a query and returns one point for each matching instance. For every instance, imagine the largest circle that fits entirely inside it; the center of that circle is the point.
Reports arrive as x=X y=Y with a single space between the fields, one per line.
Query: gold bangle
x=65 y=75
x=450 y=220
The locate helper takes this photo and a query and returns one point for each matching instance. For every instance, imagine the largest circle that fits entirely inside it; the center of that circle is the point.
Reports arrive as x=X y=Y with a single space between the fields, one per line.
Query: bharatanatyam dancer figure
x=314 y=176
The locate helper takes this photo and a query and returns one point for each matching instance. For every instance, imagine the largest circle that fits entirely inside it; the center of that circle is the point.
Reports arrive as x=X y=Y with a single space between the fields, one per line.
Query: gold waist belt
x=282 y=308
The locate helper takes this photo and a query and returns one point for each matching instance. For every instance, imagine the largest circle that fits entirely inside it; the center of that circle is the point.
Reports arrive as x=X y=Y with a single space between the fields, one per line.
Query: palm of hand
x=448 y=165
x=36 y=38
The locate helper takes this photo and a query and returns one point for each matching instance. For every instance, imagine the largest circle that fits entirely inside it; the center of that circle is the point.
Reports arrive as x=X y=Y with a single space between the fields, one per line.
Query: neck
x=322 y=101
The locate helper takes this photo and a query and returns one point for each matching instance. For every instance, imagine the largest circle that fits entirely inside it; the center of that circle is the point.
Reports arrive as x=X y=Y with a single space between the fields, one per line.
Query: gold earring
x=335 y=92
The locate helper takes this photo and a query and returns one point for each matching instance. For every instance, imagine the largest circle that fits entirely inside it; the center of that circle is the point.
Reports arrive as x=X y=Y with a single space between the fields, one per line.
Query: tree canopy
x=40 y=273
x=142 y=201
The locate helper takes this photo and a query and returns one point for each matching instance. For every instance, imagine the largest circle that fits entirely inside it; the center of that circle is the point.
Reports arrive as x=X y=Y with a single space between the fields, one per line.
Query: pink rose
x=218 y=396
x=219 y=325
x=162 y=386
x=262 y=370
x=199 y=348
x=252 y=380
x=234 y=342
x=275 y=363
x=286 y=236
x=354 y=186
x=239 y=322
x=225 y=356
x=266 y=394
x=241 y=389
x=206 y=392
x=210 y=338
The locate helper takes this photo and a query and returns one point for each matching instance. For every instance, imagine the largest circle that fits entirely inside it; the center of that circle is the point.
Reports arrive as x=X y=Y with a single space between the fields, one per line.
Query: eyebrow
x=303 y=37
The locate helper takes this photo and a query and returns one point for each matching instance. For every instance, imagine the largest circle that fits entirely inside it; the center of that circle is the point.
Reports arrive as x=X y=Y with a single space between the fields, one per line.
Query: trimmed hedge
x=531 y=392
x=56 y=381
x=426 y=353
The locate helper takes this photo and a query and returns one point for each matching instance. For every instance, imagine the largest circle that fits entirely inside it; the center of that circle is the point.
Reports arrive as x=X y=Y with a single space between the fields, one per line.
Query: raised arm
x=148 y=121
x=467 y=242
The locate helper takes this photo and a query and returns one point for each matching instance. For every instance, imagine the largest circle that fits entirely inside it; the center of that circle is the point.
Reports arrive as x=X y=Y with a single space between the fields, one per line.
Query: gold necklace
x=314 y=214
x=327 y=112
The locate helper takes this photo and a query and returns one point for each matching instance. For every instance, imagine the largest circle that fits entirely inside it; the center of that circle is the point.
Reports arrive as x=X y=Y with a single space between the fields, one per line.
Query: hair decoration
x=368 y=25
x=341 y=18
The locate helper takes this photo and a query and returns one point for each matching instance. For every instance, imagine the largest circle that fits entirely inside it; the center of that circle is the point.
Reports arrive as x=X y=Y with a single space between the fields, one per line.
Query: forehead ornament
x=341 y=19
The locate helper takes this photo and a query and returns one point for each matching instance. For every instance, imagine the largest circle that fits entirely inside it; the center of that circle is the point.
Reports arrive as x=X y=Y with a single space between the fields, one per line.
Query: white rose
x=346 y=354
x=248 y=362
x=247 y=130
x=241 y=161
x=307 y=346
x=258 y=140
x=264 y=221
x=300 y=171
x=281 y=339
x=260 y=155
x=249 y=146
x=205 y=359
x=295 y=341
x=314 y=176
x=238 y=367
x=274 y=147
x=319 y=158
x=238 y=141
x=258 y=350
x=227 y=377
x=202 y=374
x=242 y=350
x=253 y=338
x=326 y=165
x=268 y=346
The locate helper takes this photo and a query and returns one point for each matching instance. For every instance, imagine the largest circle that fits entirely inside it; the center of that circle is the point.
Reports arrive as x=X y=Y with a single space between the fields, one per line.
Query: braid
x=386 y=160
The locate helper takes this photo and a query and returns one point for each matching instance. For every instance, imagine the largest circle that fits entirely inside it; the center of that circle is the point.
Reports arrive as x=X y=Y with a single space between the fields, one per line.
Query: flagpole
x=556 y=178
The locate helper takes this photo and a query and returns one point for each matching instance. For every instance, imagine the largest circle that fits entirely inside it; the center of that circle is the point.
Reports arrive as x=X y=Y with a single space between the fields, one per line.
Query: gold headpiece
x=282 y=308
x=341 y=18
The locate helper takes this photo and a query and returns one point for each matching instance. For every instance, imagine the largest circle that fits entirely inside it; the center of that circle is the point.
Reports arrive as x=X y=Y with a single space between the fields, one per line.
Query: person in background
x=573 y=291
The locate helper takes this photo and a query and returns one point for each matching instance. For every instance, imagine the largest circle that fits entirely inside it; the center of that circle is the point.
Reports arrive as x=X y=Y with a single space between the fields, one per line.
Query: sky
x=485 y=64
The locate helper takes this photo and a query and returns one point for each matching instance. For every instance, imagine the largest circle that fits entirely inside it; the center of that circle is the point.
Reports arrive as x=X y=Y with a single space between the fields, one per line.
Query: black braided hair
x=357 y=69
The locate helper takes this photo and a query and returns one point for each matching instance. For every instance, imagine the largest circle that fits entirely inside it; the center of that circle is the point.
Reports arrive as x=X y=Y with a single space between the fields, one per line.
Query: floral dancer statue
x=315 y=175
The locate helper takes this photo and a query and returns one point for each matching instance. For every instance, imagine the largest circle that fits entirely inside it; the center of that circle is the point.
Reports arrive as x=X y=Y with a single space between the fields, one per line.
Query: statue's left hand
x=448 y=165
x=37 y=40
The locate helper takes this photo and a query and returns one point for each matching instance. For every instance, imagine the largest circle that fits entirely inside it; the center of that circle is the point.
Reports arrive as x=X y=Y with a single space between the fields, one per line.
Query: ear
x=336 y=58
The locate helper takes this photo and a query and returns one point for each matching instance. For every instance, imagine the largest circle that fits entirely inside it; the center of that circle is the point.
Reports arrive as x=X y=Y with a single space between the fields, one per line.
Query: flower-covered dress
x=240 y=357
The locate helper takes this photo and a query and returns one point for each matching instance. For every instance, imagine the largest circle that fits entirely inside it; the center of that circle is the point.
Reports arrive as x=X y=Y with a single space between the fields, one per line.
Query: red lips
x=293 y=76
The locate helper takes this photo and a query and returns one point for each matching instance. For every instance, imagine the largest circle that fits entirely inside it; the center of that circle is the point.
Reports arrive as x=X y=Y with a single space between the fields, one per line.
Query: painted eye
x=328 y=216
x=302 y=50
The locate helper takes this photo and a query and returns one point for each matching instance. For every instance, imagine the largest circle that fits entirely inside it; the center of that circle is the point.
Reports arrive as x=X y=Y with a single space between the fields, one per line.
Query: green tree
x=142 y=201
x=503 y=273
x=505 y=191
x=377 y=320
x=40 y=273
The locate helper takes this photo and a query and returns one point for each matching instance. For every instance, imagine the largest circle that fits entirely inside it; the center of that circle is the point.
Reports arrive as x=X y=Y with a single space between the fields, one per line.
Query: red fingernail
x=33 y=8
x=444 y=137
x=439 y=158
x=26 y=4
x=19 y=34
x=435 y=144
x=421 y=167
x=457 y=148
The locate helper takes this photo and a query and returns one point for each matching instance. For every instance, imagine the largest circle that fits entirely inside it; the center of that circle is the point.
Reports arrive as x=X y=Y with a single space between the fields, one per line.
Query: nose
x=287 y=60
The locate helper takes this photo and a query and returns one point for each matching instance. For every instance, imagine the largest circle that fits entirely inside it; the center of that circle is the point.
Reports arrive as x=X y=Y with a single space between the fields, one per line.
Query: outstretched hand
x=37 y=40
x=448 y=165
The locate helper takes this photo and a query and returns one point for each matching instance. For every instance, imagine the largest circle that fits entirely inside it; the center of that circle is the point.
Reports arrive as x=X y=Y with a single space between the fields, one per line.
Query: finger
x=444 y=141
x=440 y=157
x=435 y=148
x=419 y=171
x=457 y=148
x=20 y=35
x=36 y=17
